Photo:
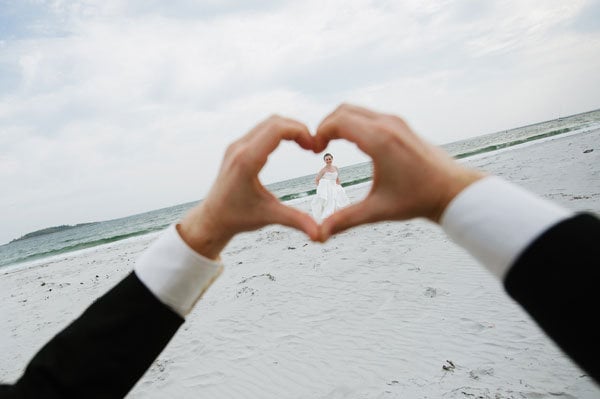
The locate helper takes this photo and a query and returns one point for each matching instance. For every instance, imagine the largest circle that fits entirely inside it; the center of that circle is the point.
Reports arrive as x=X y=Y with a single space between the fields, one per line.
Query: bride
x=330 y=195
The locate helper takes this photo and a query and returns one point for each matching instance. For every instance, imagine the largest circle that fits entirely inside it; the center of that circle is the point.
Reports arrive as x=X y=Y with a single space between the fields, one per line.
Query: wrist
x=456 y=183
x=202 y=232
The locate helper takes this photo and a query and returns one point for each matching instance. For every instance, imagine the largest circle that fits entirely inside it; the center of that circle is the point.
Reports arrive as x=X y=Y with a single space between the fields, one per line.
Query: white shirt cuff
x=176 y=274
x=495 y=221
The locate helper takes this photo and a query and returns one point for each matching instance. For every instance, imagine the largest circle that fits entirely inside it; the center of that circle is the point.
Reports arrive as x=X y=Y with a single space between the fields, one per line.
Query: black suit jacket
x=104 y=352
x=557 y=281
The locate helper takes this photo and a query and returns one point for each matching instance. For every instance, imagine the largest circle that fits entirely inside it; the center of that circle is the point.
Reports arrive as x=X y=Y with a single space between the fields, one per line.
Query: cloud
x=113 y=107
x=588 y=18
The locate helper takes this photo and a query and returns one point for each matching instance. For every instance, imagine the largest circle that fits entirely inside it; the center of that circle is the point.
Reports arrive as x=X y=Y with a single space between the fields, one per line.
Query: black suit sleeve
x=556 y=280
x=104 y=352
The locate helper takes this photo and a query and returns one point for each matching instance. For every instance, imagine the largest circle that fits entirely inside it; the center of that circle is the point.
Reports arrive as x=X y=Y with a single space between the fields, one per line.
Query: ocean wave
x=83 y=245
x=500 y=146
x=83 y=236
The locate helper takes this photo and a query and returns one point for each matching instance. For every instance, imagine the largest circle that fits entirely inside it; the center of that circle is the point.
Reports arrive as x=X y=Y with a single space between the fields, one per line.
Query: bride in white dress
x=330 y=195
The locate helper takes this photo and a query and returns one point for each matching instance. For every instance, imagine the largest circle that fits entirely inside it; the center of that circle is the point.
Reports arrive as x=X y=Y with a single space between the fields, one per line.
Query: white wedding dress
x=329 y=198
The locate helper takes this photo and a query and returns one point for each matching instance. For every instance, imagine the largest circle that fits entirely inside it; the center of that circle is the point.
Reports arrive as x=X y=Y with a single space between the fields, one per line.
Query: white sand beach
x=392 y=310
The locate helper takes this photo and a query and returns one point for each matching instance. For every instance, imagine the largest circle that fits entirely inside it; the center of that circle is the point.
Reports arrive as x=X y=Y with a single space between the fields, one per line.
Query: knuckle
x=274 y=118
x=237 y=153
x=398 y=120
x=275 y=123
x=232 y=149
x=388 y=138
x=343 y=108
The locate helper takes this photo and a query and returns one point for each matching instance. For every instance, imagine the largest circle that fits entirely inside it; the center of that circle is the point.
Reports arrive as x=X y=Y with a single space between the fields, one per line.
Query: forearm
x=177 y=273
x=496 y=220
x=545 y=255
x=555 y=279
x=111 y=345
x=106 y=350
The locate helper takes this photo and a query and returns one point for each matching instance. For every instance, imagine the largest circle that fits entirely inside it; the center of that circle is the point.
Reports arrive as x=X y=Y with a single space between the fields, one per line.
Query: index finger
x=264 y=138
x=349 y=123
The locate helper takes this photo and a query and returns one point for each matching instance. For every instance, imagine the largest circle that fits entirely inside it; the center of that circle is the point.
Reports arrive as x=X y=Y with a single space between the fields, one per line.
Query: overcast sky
x=110 y=108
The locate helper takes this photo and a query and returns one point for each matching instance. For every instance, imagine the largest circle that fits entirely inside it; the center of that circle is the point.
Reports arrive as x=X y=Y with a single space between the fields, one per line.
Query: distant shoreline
x=50 y=230
x=456 y=155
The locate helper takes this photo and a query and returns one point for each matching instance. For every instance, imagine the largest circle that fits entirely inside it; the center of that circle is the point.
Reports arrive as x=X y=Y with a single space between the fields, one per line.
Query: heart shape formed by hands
x=412 y=178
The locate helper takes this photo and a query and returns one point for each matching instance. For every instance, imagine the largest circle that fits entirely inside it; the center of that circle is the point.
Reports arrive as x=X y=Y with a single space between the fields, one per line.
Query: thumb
x=287 y=216
x=344 y=219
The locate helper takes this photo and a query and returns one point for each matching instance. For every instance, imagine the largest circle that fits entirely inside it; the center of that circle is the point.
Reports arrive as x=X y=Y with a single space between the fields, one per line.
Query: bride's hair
x=328 y=154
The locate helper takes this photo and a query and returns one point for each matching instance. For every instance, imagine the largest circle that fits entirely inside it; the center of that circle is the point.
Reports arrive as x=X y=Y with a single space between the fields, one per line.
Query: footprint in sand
x=481 y=372
x=207 y=379
x=245 y=291
x=257 y=279
x=432 y=292
x=475 y=326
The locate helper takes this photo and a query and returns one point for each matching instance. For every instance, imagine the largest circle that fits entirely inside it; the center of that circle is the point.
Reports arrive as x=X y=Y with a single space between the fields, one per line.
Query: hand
x=238 y=201
x=411 y=178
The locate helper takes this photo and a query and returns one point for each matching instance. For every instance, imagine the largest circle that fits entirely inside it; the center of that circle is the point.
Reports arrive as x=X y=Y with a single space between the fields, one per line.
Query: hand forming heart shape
x=411 y=179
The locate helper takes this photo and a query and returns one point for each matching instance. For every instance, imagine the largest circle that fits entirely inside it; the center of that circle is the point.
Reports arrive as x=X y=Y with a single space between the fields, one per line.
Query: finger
x=353 y=109
x=349 y=109
x=286 y=216
x=276 y=125
x=264 y=140
x=279 y=128
x=350 y=126
x=346 y=218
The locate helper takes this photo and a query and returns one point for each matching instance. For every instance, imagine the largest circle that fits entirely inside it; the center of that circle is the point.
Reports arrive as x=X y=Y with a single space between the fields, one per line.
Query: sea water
x=93 y=234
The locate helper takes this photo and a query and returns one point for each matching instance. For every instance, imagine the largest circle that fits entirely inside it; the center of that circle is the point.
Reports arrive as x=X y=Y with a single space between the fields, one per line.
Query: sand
x=392 y=310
